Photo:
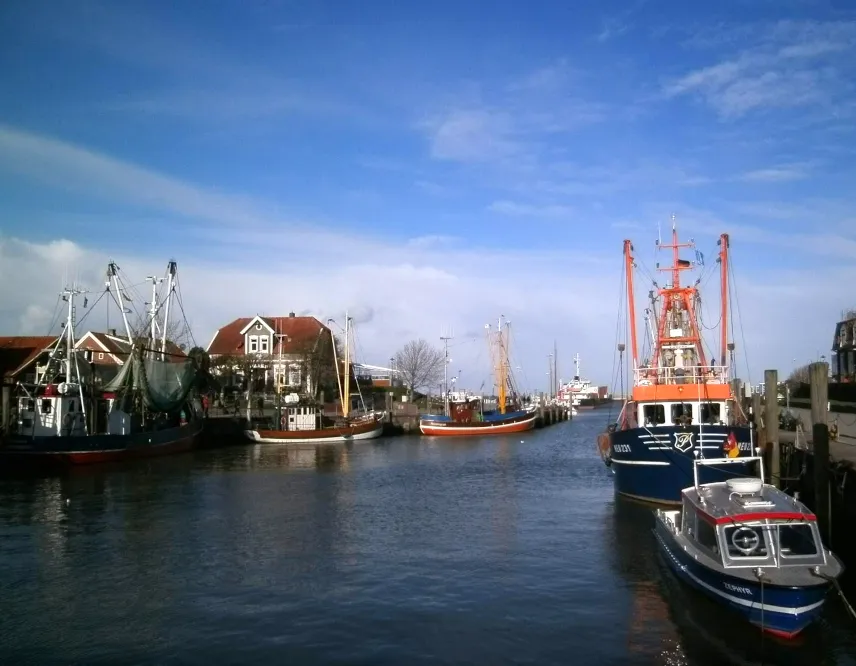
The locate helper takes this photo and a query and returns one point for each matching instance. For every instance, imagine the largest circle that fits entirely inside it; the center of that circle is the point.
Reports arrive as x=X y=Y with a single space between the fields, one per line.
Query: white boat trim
x=371 y=434
x=640 y=462
x=786 y=610
x=480 y=428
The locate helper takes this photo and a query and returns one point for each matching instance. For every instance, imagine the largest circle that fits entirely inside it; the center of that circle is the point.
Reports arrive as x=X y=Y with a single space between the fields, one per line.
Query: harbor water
x=395 y=552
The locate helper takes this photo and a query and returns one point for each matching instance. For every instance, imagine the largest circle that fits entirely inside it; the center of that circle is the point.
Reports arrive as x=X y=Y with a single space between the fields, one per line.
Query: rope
x=837 y=587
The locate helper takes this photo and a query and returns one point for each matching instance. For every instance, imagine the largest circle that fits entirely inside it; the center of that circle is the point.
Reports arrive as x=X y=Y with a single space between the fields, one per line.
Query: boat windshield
x=797 y=541
x=745 y=541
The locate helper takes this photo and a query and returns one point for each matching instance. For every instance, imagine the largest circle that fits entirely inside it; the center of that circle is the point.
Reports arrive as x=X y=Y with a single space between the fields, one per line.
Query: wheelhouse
x=745 y=523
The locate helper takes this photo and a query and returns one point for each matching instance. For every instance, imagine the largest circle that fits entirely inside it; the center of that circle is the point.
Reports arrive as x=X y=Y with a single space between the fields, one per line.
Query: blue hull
x=783 y=611
x=655 y=464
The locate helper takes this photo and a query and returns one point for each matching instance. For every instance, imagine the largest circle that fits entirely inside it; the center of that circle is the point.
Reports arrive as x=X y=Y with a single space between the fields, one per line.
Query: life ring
x=747 y=544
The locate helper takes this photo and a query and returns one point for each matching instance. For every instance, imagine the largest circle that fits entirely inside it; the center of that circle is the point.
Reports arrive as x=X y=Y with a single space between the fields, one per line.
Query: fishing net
x=163 y=384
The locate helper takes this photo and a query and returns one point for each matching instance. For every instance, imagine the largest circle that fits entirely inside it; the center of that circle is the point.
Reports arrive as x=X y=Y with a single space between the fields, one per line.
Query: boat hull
x=358 y=431
x=656 y=464
x=90 y=449
x=778 y=610
x=447 y=428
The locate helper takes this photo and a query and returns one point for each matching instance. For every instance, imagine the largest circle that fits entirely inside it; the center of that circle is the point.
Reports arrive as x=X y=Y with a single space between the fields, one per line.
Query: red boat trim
x=760 y=515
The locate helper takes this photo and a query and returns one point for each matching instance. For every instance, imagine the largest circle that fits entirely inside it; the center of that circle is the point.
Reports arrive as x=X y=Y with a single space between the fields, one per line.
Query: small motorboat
x=750 y=546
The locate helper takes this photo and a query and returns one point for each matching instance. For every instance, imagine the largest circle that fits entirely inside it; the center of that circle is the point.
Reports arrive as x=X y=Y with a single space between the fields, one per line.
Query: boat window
x=796 y=540
x=706 y=535
x=46 y=406
x=654 y=414
x=711 y=412
x=31 y=406
x=743 y=541
x=682 y=413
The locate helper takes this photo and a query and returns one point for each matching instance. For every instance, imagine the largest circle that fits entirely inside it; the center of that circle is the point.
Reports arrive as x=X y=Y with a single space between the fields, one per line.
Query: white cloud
x=775 y=175
x=403 y=288
x=789 y=64
x=472 y=135
x=515 y=209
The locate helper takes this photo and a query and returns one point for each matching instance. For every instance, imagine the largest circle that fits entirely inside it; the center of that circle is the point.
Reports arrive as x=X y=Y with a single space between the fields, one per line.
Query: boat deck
x=725 y=506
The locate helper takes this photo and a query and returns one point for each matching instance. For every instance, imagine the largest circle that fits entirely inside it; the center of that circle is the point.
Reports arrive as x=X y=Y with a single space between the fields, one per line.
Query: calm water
x=400 y=552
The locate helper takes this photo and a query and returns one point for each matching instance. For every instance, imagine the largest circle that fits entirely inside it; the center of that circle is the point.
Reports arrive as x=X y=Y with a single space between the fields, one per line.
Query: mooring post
x=6 y=410
x=771 y=424
x=756 y=419
x=819 y=383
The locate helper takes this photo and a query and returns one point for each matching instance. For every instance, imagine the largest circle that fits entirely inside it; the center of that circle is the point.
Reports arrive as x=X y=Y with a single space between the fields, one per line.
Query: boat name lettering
x=737 y=588
x=621 y=448
x=744 y=446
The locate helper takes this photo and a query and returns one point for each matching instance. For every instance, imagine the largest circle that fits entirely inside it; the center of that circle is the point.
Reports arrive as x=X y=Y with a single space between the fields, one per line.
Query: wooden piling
x=6 y=410
x=819 y=378
x=771 y=424
x=756 y=420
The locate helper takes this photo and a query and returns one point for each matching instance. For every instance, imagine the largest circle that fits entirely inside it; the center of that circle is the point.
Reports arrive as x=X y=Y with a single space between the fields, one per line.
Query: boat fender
x=833 y=432
x=283 y=422
x=604 y=446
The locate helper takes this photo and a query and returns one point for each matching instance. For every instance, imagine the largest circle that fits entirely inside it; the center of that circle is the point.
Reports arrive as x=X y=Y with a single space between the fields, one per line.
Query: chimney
x=112 y=332
x=290 y=314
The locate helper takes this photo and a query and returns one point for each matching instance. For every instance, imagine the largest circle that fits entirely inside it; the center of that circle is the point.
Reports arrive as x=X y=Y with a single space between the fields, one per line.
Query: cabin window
x=71 y=405
x=654 y=414
x=706 y=535
x=744 y=541
x=711 y=412
x=682 y=414
x=31 y=406
x=253 y=344
x=263 y=344
x=796 y=541
x=46 y=406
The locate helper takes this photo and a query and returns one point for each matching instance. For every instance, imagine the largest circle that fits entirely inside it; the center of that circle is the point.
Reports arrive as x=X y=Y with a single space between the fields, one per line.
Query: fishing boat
x=300 y=418
x=751 y=547
x=469 y=417
x=681 y=403
x=68 y=417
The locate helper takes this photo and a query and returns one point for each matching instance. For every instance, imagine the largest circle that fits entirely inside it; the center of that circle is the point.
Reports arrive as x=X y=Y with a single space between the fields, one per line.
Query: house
x=279 y=351
x=844 y=349
x=17 y=356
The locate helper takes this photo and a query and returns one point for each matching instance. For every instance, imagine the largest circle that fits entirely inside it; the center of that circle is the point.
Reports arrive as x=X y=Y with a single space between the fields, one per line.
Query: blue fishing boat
x=682 y=403
x=751 y=547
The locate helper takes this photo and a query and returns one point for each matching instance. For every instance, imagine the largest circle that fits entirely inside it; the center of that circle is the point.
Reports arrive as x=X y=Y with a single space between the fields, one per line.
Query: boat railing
x=741 y=460
x=692 y=374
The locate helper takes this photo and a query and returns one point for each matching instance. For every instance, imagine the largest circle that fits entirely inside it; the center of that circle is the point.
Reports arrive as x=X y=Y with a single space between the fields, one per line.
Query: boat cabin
x=743 y=522
x=300 y=417
x=58 y=410
x=668 y=413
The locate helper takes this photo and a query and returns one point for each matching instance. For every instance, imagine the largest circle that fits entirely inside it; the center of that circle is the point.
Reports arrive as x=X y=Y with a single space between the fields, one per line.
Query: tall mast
x=445 y=340
x=171 y=268
x=153 y=309
x=723 y=297
x=631 y=304
x=501 y=374
x=677 y=326
x=70 y=354
x=335 y=361
x=113 y=276
x=346 y=384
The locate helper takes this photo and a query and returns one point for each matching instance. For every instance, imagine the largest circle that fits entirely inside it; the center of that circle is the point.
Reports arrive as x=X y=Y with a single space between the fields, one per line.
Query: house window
x=258 y=327
x=253 y=346
x=100 y=356
x=294 y=375
x=654 y=414
x=263 y=344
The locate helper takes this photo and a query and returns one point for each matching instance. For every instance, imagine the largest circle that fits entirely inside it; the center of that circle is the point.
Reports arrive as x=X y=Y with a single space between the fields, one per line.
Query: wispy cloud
x=472 y=135
x=788 y=64
x=515 y=209
x=775 y=175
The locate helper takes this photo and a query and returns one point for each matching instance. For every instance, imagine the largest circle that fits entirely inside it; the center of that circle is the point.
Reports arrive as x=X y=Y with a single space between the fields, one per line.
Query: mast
x=502 y=377
x=68 y=295
x=335 y=359
x=346 y=384
x=153 y=309
x=113 y=275
x=631 y=304
x=171 y=268
x=677 y=329
x=723 y=297
x=445 y=340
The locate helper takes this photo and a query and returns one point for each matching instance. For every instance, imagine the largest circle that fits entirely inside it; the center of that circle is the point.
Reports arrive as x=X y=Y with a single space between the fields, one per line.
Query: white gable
x=253 y=322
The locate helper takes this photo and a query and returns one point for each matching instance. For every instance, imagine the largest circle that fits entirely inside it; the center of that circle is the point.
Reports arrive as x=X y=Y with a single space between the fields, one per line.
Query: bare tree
x=800 y=375
x=419 y=365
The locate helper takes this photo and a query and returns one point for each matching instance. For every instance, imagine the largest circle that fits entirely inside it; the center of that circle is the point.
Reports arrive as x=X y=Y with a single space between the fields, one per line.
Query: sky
x=430 y=166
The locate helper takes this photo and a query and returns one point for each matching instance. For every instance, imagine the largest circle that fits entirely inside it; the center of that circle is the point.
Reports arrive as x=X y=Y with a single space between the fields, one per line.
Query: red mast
x=723 y=297
x=675 y=299
x=631 y=303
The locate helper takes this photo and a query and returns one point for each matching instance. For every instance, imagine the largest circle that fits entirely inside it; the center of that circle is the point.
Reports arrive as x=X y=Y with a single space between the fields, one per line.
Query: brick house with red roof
x=278 y=349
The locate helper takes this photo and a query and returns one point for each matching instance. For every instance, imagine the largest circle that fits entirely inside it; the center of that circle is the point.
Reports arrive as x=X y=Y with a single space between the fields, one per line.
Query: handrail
x=705 y=374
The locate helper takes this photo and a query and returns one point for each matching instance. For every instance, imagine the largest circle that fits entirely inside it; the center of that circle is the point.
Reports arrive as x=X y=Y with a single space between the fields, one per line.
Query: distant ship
x=580 y=394
x=466 y=415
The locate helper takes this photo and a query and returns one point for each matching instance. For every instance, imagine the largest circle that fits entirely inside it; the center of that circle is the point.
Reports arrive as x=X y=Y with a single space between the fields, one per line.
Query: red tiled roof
x=120 y=347
x=302 y=332
x=17 y=352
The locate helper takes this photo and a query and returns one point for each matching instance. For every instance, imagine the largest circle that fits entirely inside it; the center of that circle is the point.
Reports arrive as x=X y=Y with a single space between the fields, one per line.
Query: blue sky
x=431 y=165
